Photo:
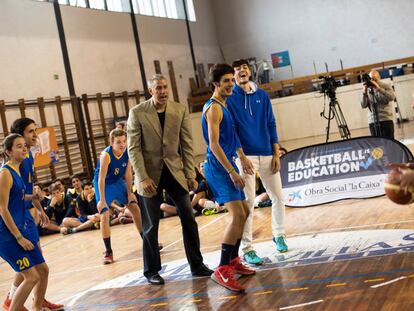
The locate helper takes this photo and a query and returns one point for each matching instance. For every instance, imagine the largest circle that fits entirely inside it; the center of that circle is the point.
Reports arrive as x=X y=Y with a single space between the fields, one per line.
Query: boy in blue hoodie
x=256 y=128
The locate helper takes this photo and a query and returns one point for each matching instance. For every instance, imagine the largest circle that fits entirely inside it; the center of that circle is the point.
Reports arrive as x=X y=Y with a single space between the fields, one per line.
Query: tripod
x=335 y=112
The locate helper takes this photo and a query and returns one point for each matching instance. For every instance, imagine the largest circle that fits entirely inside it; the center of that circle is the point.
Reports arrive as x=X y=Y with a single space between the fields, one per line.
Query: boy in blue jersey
x=222 y=175
x=26 y=127
x=256 y=128
x=113 y=182
x=19 y=240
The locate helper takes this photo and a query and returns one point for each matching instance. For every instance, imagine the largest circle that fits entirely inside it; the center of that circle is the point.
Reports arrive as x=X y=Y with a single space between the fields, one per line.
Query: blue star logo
x=295 y=195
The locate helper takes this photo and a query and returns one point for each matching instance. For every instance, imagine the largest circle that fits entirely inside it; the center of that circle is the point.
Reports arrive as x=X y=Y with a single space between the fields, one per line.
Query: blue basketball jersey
x=228 y=138
x=117 y=166
x=16 y=203
x=27 y=174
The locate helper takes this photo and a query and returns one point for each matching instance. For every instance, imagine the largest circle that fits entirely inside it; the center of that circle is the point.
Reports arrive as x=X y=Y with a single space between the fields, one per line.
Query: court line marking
x=389 y=282
x=123 y=309
x=353 y=227
x=86 y=306
x=228 y=297
x=374 y=280
x=196 y=300
x=263 y=293
x=159 y=304
x=199 y=229
x=298 y=289
x=301 y=305
x=336 y=285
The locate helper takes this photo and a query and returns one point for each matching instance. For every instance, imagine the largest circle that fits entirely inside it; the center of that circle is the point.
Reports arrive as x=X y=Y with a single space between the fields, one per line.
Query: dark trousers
x=382 y=129
x=150 y=211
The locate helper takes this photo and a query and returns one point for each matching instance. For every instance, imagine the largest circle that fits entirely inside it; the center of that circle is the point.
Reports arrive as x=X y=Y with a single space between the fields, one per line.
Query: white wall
x=30 y=51
x=358 y=32
x=101 y=49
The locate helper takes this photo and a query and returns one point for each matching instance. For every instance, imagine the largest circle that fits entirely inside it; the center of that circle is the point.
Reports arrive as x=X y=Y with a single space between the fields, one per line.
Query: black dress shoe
x=155 y=279
x=203 y=270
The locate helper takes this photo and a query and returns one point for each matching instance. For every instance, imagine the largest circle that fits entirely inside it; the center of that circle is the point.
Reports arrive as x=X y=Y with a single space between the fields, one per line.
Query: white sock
x=12 y=291
x=257 y=201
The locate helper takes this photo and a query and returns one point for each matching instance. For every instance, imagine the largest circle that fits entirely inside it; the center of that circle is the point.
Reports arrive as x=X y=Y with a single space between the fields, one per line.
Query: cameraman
x=377 y=97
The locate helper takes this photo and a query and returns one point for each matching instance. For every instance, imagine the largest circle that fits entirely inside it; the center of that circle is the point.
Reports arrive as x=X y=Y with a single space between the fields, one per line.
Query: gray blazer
x=149 y=147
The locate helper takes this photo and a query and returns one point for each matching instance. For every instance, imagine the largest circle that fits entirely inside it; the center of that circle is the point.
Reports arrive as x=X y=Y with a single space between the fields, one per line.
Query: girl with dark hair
x=18 y=233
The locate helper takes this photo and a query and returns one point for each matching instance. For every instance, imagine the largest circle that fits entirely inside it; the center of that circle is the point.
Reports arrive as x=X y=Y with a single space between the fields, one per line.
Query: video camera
x=329 y=85
x=366 y=80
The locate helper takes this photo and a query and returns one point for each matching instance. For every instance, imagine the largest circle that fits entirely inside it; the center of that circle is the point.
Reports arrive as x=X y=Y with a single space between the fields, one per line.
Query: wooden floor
x=378 y=277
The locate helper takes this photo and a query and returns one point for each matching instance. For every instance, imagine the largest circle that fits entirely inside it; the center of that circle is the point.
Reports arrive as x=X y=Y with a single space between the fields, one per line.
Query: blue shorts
x=116 y=191
x=17 y=257
x=83 y=219
x=220 y=183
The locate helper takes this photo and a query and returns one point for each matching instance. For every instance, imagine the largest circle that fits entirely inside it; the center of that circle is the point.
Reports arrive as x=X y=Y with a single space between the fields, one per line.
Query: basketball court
x=348 y=255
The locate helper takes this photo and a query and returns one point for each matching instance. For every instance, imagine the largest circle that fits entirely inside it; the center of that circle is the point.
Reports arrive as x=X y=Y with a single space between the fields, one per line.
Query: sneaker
x=239 y=268
x=266 y=203
x=281 y=245
x=7 y=303
x=108 y=258
x=252 y=258
x=224 y=276
x=52 y=306
x=209 y=211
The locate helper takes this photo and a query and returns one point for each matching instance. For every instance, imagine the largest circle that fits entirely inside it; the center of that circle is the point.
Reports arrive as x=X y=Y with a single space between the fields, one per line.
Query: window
x=165 y=8
x=161 y=8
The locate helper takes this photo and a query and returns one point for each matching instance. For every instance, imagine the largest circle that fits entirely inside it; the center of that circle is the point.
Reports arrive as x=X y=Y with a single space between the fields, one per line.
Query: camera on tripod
x=366 y=80
x=328 y=88
x=329 y=85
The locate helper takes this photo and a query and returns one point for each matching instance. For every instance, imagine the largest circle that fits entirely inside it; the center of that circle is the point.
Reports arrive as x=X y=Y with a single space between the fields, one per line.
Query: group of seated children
x=75 y=210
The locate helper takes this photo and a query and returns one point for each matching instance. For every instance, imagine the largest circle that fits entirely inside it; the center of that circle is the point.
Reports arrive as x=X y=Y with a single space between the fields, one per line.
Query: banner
x=280 y=59
x=346 y=169
x=46 y=150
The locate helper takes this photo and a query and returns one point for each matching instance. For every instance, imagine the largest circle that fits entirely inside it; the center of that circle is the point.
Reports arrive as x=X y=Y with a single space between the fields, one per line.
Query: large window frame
x=173 y=9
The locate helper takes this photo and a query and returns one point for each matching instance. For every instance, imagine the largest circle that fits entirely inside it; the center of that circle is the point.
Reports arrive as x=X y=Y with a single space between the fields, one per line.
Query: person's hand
x=237 y=180
x=149 y=185
x=365 y=89
x=375 y=84
x=44 y=219
x=192 y=184
x=25 y=244
x=101 y=205
x=407 y=179
x=400 y=166
x=247 y=165
x=35 y=196
x=53 y=202
x=275 y=164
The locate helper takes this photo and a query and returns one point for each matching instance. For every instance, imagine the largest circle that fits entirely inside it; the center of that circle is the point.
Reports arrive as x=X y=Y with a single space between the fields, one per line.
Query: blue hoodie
x=255 y=122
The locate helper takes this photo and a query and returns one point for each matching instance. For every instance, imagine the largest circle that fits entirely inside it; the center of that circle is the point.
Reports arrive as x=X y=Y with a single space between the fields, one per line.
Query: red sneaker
x=7 y=303
x=52 y=306
x=240 y=268
x=224 y=276
x=108 y=258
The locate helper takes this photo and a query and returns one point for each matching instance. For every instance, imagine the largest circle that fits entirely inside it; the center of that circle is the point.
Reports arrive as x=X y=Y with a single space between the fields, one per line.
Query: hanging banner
x=346 y=169
x=280 y=59
x=46 y=150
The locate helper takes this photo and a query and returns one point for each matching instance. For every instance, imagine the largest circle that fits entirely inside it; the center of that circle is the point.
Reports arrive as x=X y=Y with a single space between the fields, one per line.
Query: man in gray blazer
x=161 y=152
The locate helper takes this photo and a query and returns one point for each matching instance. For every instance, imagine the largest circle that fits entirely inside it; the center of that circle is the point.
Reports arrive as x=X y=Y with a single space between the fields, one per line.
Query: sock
x=236 y=249
x=74 y=230
x=257 y=201
x=13 y=289
x=107 y=242
x=226 y=252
